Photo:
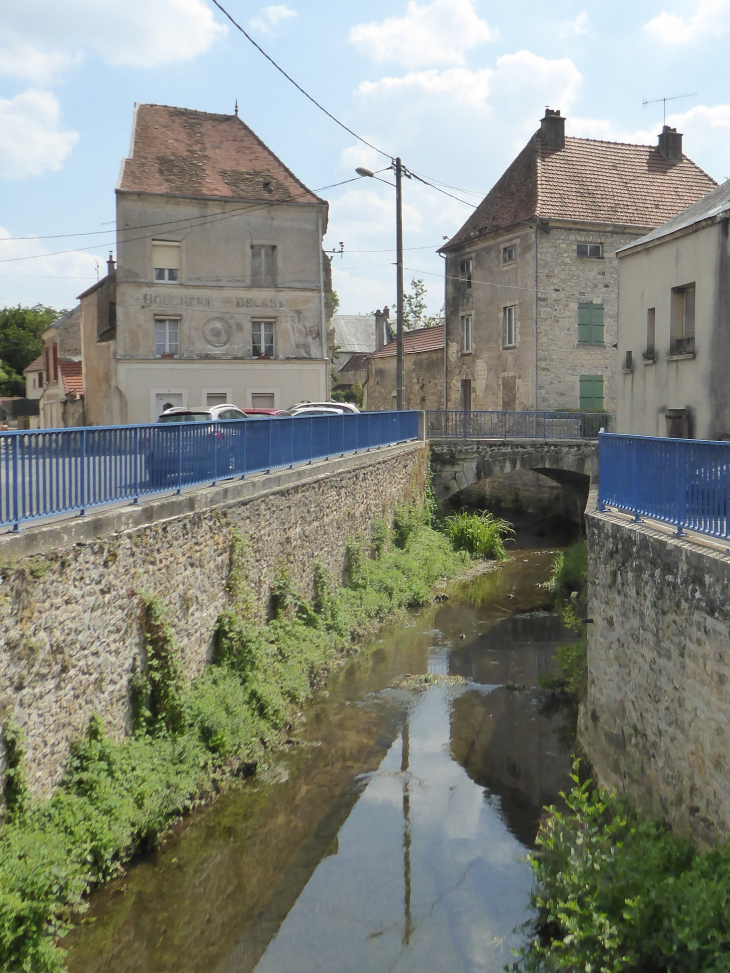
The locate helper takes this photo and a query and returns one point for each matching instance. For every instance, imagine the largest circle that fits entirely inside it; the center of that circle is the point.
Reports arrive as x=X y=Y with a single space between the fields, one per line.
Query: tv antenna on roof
x=655 y=101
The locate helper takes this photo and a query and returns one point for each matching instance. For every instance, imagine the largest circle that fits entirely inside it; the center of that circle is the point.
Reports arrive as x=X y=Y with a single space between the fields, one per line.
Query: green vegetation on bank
x=479 y=533
x=616 y=893
x=568 y=584
x=116 y=798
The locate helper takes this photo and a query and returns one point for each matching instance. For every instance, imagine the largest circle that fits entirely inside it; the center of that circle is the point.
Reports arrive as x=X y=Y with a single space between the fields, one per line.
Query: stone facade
x=423 y=381
x=70 y=594
x=542 y=369
x=655 y=723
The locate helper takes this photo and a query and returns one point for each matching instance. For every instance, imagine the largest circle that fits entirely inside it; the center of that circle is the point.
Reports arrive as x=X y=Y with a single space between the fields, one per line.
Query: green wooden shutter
x=590 y=324
x=591 y=392
x=585 y=313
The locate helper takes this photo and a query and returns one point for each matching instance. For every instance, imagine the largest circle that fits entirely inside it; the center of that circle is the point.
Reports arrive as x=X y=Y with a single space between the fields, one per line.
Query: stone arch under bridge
x=461 y=464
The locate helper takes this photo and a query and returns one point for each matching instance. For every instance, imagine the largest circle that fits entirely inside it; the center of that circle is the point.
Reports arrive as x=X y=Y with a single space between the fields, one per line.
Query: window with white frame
x=166 y=261
x=167 y=336
x=262 y=339
x=263 y=266
x=466 y=334
x=509 y=326
x=594 y=250
x=509 y=254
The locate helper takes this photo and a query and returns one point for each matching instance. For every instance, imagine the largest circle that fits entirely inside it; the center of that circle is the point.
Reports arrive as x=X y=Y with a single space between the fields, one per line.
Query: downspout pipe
x=535 y=328
x=323 y=314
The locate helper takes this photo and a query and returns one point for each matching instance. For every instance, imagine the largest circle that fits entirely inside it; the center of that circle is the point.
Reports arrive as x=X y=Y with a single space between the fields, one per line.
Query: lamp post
x=399 y=383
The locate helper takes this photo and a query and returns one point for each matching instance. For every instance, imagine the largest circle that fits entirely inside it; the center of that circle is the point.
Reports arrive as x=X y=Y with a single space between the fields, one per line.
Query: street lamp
x=361 y=171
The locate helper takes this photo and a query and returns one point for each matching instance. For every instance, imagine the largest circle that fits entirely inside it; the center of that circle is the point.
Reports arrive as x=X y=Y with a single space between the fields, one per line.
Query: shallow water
x=392 y=834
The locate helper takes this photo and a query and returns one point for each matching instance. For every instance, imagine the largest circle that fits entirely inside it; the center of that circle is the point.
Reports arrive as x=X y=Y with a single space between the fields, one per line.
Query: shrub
x=570 y=570
x=479 y=533
x=616 y=892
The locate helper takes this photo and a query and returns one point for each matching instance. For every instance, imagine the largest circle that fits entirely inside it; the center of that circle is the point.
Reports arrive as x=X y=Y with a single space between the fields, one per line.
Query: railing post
x=82 y=474
x=681 y=507
x=601 y=506
x=635 y=479
x=16 y=464
x=217 y=430
x=180 y=431
x=137 y=463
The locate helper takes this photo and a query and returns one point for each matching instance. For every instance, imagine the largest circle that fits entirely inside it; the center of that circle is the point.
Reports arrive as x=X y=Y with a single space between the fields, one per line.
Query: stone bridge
x=458 y=464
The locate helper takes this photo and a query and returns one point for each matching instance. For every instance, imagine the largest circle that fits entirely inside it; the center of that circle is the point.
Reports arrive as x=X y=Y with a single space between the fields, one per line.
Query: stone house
x=62 y=398
x=532 y=276
x=673 y=339
x=423 y=372
x=34 y=379
x=355 y=338
x=221 y=287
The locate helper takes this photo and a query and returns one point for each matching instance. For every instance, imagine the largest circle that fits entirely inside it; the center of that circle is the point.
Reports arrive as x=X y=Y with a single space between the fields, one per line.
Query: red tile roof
x=35 y=366
x=73 y=377
x=588 y=181
x=424 y=339
x=178 y=151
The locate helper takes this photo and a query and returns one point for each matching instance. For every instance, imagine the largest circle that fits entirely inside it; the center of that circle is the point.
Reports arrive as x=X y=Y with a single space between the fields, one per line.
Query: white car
x=323 y=408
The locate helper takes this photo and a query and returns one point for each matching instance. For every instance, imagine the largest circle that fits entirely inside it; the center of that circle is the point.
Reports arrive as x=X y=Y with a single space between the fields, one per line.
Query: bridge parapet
x=460 y=463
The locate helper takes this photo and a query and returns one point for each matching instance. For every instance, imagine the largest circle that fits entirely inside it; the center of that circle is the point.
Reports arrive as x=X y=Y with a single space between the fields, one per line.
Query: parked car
x=265 y=413
x=330 y=407
x=173 y=457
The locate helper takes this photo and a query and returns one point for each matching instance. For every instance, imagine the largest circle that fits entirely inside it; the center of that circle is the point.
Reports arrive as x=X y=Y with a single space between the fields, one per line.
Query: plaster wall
x=695 y=382
x=423 y=380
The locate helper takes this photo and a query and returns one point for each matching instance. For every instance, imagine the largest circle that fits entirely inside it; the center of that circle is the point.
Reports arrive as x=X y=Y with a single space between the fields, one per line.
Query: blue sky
x=453 y=86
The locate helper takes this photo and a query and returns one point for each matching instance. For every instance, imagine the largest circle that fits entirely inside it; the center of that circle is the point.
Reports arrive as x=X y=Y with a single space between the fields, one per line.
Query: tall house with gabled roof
x=532 y=276
x=220 y=293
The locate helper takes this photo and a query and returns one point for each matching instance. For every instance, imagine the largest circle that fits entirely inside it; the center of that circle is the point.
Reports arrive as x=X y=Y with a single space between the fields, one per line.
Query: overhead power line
x=306 y=94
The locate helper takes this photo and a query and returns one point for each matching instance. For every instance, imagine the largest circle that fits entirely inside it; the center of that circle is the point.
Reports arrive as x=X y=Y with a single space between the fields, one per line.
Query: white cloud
x=54 y=279
x=573 y=28
x=711 y=17
x=42 y=38
x=459 y=125
x=31 y=139
x=270 y=18
x=439 y=33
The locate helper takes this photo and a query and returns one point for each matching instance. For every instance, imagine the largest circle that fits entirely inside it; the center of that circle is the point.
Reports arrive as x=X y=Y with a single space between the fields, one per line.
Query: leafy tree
x=414 y=308
x=20 y=342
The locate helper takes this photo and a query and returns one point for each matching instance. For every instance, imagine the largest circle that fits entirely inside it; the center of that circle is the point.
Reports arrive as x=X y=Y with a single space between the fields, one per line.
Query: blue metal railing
x=682 y=482
x=56 y=471
x=515 y=425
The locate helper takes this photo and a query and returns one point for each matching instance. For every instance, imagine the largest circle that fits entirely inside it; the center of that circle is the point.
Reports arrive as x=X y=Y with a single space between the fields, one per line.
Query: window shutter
x=597 y=324
x=585 y=317
x=591 y=392
x=166 y=255
x=257 y=267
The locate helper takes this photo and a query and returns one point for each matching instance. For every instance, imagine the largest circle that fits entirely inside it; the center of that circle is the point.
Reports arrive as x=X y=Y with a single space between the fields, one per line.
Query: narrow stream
x=391 y=836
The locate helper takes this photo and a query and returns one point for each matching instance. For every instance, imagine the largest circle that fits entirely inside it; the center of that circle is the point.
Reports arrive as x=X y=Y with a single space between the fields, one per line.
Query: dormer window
x=590 y=250
x=166 y=261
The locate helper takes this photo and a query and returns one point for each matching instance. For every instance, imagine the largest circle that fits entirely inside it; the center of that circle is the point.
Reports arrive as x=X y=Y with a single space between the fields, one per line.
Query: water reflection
x=393 y=837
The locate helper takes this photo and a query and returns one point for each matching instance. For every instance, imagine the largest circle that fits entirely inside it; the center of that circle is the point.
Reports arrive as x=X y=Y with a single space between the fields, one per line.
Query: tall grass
x=480 y=533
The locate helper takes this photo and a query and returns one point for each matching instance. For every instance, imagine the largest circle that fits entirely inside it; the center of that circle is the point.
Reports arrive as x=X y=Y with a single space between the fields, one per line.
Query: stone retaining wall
x=70 y=594
x=656 y=721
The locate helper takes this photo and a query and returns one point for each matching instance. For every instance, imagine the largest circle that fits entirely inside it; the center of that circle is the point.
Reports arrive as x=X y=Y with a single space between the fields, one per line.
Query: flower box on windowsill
x=263 y=357
x=167 y=354
x=649 y=357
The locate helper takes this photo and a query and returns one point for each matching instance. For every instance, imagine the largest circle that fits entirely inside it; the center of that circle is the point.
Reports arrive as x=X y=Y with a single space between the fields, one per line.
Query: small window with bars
x=594 y=250
x=465 y=271
x=509 y=254
x=167 y=337
x=590 y=324
x=262 y=339
x=166 y=261
x=509 y=326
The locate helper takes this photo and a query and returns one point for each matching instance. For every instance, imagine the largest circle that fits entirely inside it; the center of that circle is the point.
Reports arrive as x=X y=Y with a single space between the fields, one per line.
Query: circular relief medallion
x=217 y=332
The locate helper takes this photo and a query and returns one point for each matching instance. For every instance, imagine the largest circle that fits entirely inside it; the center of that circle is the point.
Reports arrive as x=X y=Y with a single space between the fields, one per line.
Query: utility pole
x=399 y=390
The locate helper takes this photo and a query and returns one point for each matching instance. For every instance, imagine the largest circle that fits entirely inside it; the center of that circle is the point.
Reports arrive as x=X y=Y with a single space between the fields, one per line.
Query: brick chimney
x=670 y=145
x=552 y=129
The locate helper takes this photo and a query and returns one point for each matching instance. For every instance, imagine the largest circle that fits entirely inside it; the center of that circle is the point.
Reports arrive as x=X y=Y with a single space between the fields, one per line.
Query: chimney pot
x=670 y=145
x=110 y=265
x=552 y=129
